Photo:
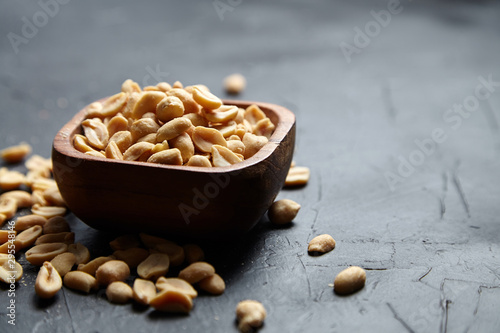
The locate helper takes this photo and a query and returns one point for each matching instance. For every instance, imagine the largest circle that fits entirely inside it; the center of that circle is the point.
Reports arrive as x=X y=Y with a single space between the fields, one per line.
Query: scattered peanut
x=92 y=266
x=196 y=272
x=322 y=244
x=132 y=256
x=28 y=237
x=60 y=237
x=22 y=198
x=48 y=282
x=119 y=292
x=81 y=253
x=111 y=271
x=80 y=281
x=174 y=251
x=172 y=301
x=15 y=154
x=349 y=280
x=297 y=176
x=234 y=83
x=193 y=253
x=28 y=221
x=250 y=315
x=154 y=266
x=55 y=225
x=8 y=207
x=63 y=263
x=283 y=211
x=176 y=284
x=214 y=284
x=10 y=270
x=45 y=252
x=48 y=212
x=144 y=291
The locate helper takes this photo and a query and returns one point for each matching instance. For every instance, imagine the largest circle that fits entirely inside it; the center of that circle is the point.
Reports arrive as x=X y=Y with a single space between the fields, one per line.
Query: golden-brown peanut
x=169 y=108
x=113 y=152
x=172 y=301
x=38 y=199
x=48 y=282
x=48 y=212
x=54 y=197
x=81 y=253
x=184 y=143
x=28 y=221
x=11 y=180
x=170 y=156
x=28 y=237
x=193 y=253
x=110 y=107
x=178 y=85
x=222 y=156
x=154 y=266
x=60 y=237
x=151 y=88
x=143 y=127
x=234 y=83
x=4 y=235
x=199 y=161
x=173 y=128
x=63 y=263
x=42 y=184
x=10 y=270
x=146 y=102
x=190 y=106
x=196 y=119
x=164 y=86
x=144 y=291
x=92 y=266
x=138 y=151
x=349 y=280
x=180 y=285
x=214 y=284
x=96 y=133
x=196 y=272
x=234 y=137
x=297 y=176
x=174 y=251
x=123 y=140
x=119 y=292
x=117 y=124
x=236 y=146
x=111 y=271
x=15 y=154
x=80 y=281
x=250 y=315
x=56 y=225
x=221 y=115
x=283 y=211
x=254 y=114
x=124 y=242
x=81 y=143
x=204 y=138
x=160 y=147
x=8 y=207
x=132 y=256
x=206 y=99
x=322 y=244
x=45 y=252
x=130 y=86
x=264 y=127
x=37 y=162
x=227 y=129
x=253 y=144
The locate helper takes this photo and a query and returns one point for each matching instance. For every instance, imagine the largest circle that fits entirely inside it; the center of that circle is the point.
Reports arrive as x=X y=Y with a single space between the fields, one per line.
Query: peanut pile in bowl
x=172 y=125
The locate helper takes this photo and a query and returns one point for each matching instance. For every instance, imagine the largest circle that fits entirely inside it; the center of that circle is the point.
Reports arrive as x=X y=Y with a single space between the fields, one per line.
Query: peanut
x=113 y=152
x=170 y=156
x=123 y=140
x=322 y=244
x=143 y=127
x=81 y=253
x=60 y=237
x=283 y=211
x=214 y=284
x=154 y=266
x=48 y=282
x=223 y=114
x=196 y=272
x=250 y=315
x=172 y=301
x=119 y=292
x=144 y=291
x=110 y=107
x=3 y=218
x=53 y=196
x=180 y=285
x=206 y=99
x=48 y=212
x=349 y=280
x=236 y=146
x=10 y=270
x=185 y=145
x=169 y=108
x=151 y=241
x=132 y=256
x=80 y=281
x=222 y=156
x=199 y=161
x=96 y=133
x=45 y=252
x=4 y=235
x=164 y=86
x=204 y=138
x=117 y=124
x=81 y=143
x=139 y=151
x=92 y=266
x=28 y=237
x=253 y=144
x=111 y=271
x=297 y=176
x=193 y=253
x=196 y=119
x=11 y=180
x=190 y=106
x=146 y=102
x=178 y=84
x=28 y=221
x=253 y=114
x=15 y=154
x=56 y=224
x=63 y=263
x=173 y=128
x=174 y=251
x=130 y=86
x=8 y=207
x=36 y=162
x=234 y=84
x=264 y=127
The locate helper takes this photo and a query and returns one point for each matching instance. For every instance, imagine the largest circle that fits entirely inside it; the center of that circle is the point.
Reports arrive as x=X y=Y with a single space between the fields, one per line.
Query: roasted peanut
x=154 y=266
x=130 y=86
x=111 y=271
x=4 y=235
x=196 y=119
x=173 y=128
x=42 y=184
x=117 y=124
x=56 y=224
x=54 y=197
x=193 y=253
x=196 y=272
x=297 y=176
x=80 y=281
x=37 y=162
x=349 y=280
x=48 y=212
x=206 y=99
x=144 y=291
x=283 y=211
x=132 y=256
x=214 y=284
x=81 y=253
x=250 y=315
x=60 y=237
x=63 y=263
x=139 y=151
x=146 y=102
x=81 y=143
x=28 y=221
x=190 y=106
x=160 y=147
x=253 y=114
x=174 y=251
x=151 y=88
x=110 y=107
x=204 y=138
x=45 y=252
x=185 y=145
x=322 y=244
x=8 y=207
x=180 y=285
x=164 y=86
x=172 y=301
x=178 y=84
x=124 y=242
x=92 y=266
x=170 y=156
x=113 y=152
x=28 y=237
x=236 y=146
x=119 y=292
x=123 y=140
x=143 y=127
x=253 y=144
x=15 y=154
x=48 y=282
x=200 y=161
x=223 y=114
x=10 y=270
x=226 y=129
x=11 y=180
x=96 y=133
x=264 y=127
x=234 y=83
x=222 y=156
x=169 y=108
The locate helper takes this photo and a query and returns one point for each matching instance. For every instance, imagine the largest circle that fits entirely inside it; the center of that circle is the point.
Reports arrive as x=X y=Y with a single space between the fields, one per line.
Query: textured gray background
x=430 y=245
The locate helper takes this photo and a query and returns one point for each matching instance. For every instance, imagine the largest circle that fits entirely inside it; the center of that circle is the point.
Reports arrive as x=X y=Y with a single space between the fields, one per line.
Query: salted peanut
x=180 y=285
x=227 y=129
x=297 y=176
x=349 y=280
x=151 y=138
x=81 y=143
x=111 y=271
x=8 y=207
x=146 y=102
x=170 y=156
x=253 y=114
x=234 y=137
x=172 y=301
x=99 y=154
x=56 y=224
x=164 y=86
x=28 y=237
x=45 y=252
x=223 y=114
x=206 y=99
x=22 y=198
x=173 y=128
x=236 y=146
x=37 y=162
x=169 y=108
x=119 y=292
x=132 y=256
x=81 y=253
x=123 y=140
x=113 y=152
x=53 y=196
x=11 y=180
x=322 y=244
x=10 y=270
x=204 y=138
x=190 y=106
x=96 y=133
x=253 y=144
x=250 y=315
x=174 y=251
x=264 y=127
x=240 y=131
x=202 y=87
x=248 y=126
x=199 y=161
x=283 y=211
x=110 y=107
x=193 y=253
x=196 y=119
x=149 y=115
x=138 y=151
x=60 y=237
x=144 y=291
x=142 y=127
x=48 y=282
x=196 y=272
x=117 y=124
x=235 y=83
x=160 y=147
x=185 y=145
x=63 y=263
x=81 y=281
x=124 y=242
x=15 y=154
x=42 y=184
x=154 y=266
x=151 y=88
x=92 y=266
x=4 y=235
x=178 y=85
x=130 y=86
x=38 y=199
x=222 y=156
x=28 y=221
x=214 y=284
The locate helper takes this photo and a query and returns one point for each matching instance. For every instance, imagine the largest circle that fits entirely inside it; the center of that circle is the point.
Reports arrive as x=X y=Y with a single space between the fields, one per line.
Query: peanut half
x=349 y=280
x=214 y=284
x=234 y=83
x=38 y=254
x=154 y=266
x=144 y=291
x=111 y=271
x=119 y=292
x=250 y=315
x=48 y=282
x=10 y=270
x=80 y=281
x=196 y=272
x=283 y=211
x=321 y=244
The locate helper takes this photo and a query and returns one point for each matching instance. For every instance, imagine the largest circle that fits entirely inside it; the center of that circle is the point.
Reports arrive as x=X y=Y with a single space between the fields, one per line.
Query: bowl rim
x=63 y=141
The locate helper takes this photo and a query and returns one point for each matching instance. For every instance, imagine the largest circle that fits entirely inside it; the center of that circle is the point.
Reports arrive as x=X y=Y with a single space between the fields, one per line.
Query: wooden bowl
x=192 y=202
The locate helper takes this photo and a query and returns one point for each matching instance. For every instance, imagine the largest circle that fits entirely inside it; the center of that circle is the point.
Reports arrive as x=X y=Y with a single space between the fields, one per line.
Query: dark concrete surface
x=427 y=234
